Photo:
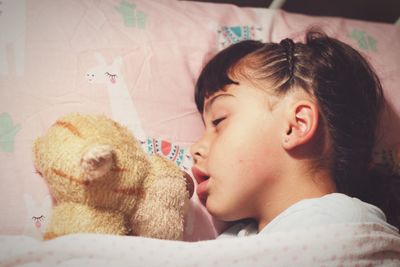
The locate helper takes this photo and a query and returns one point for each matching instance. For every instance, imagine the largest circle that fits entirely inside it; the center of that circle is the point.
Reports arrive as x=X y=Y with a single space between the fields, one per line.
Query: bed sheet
x=336 y=245
x=137 y=61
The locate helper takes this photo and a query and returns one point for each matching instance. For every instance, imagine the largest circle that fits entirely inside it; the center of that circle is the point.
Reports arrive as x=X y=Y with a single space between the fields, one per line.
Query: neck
x=292 y=190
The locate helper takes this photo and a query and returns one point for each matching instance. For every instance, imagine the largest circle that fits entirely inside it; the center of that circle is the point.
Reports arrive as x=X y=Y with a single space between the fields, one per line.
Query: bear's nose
x=189 y=184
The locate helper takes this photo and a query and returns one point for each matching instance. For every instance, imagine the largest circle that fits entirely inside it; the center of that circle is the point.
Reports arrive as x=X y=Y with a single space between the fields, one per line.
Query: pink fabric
x=49 y=50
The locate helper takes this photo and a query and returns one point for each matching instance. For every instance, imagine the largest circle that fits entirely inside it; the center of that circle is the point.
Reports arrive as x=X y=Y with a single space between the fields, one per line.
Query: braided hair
x=289 y=46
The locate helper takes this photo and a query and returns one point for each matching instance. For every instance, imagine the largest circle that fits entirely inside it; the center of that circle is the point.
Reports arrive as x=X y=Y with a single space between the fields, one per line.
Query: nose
x=199 y=150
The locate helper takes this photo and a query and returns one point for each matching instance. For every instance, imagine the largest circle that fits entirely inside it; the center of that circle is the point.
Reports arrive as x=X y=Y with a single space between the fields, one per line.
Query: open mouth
x=199 y=175
x=202 y=180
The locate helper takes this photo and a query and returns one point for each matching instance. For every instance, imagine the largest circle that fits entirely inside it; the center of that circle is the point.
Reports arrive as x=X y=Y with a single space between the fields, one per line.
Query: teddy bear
x=102 y=181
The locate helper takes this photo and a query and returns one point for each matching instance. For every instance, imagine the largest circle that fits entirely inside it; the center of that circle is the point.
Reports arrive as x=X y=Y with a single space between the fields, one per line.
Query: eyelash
x=111 y=75
x=217 y=121
x=38 y=218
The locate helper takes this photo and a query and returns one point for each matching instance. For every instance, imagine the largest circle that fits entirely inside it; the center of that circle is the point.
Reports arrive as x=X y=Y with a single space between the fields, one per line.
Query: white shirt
x=330 y=209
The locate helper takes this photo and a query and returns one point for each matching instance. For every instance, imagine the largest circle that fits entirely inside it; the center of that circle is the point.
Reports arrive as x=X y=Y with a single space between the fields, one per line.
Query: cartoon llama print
x=124 y=111
x=37 y=215
x=13 y=32
x=122 y=107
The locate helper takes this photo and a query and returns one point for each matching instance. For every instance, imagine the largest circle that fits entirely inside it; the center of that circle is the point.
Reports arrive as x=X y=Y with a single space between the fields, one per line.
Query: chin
x=213 y=210
x=220 y=214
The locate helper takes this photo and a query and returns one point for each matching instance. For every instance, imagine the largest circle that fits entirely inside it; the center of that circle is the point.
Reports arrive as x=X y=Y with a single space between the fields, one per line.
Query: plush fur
x=103 y=182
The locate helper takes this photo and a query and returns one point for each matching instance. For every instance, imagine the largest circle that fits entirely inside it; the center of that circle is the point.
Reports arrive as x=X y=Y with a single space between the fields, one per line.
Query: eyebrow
x=212 y=100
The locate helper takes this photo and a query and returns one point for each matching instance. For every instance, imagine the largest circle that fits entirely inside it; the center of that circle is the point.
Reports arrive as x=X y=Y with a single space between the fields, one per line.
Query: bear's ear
x=97 y=161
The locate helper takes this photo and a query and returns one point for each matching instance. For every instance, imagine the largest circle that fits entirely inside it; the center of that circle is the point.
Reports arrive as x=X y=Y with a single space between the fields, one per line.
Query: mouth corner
x=199 y=175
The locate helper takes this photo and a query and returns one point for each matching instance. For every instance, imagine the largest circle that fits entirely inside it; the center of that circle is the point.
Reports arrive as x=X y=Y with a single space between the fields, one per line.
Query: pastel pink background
x=48 y=46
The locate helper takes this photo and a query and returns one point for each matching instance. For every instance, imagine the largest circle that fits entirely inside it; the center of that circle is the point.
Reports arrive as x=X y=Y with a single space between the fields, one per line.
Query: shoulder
x=333 y=208
x=346 y=209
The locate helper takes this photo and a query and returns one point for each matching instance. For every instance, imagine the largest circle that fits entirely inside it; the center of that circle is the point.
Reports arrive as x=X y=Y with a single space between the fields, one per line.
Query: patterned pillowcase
x=136 y=61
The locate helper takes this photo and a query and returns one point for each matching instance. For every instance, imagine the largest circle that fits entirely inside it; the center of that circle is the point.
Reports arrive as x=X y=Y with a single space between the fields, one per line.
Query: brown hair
x=349 y=96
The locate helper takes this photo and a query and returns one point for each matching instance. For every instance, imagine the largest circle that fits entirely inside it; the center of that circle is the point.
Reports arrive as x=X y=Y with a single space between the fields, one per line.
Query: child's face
x=237 y=158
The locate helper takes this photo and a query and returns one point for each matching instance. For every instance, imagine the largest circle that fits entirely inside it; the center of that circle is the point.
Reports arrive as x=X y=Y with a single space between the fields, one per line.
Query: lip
x=202 y=180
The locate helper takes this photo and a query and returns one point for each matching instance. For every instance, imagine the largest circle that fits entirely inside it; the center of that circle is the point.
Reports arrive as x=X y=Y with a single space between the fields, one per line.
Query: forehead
x=209 y=86
x=244 y=92
x=209 y=101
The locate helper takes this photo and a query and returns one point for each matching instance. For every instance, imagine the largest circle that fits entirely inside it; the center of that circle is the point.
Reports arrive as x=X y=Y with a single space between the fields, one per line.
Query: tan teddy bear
x=103 y=182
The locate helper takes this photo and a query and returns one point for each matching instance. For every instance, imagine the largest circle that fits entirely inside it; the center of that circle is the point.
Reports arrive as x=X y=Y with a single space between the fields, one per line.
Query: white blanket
x=338 y=245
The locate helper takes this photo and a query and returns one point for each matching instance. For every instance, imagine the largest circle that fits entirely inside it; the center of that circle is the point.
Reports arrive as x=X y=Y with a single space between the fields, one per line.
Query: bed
x=48 y=51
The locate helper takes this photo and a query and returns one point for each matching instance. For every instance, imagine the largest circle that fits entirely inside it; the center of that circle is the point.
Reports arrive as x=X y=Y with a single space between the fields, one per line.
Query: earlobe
x=302 y=124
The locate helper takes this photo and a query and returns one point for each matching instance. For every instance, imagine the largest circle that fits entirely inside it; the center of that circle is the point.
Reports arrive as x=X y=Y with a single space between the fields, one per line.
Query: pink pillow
x=155 y=50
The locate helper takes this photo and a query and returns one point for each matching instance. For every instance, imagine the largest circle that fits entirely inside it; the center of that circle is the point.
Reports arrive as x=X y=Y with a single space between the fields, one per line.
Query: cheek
x=256 y=158
x=242 y=152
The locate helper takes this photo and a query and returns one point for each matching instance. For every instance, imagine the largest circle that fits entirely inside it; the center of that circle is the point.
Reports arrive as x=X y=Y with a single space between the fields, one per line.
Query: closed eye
x=111 y=75
x=218 y=121
x=40 y=218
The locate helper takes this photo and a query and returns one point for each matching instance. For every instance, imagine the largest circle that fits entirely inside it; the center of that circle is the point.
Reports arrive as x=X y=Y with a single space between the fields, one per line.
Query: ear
x=117 y=62
x=100 y=59
x=302 y=123
x=97 y=161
